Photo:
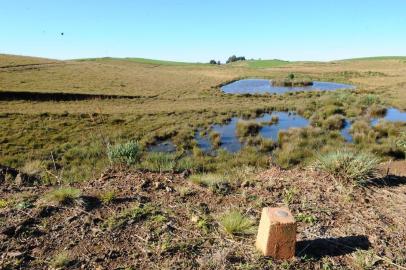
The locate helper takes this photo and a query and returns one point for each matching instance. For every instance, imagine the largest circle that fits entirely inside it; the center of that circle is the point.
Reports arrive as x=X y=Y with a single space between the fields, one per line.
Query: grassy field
x=86 y=180
x=175 y=100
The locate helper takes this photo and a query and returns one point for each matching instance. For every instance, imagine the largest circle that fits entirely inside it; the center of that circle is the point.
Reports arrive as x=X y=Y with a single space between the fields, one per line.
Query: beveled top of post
x=279 y=215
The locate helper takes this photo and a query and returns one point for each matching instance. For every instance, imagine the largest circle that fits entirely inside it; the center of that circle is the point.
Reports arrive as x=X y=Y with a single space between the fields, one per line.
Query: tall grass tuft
x=63 y=195
x=159 y=162
x=348 y=166
x=402 y=142
x=236 y=224
x=215 y=182
x=124 y=154
x=247 y=128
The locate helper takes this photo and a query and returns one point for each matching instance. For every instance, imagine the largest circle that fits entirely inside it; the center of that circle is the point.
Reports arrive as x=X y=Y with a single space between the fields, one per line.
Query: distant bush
x=234 y=58
x=348 y=166
x=128 y=153
x=235 y=223
x=214 y=62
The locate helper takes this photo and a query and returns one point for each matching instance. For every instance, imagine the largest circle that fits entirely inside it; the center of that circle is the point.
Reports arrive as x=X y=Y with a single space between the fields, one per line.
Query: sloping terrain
x=164 y=221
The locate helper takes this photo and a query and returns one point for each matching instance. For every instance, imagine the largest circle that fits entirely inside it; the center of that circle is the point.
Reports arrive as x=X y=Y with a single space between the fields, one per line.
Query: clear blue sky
x=191 y=30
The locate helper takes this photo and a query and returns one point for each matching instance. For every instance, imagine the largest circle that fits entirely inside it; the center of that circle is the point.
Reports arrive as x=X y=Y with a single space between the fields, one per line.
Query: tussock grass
x=236 y=223
x=34 y=167
x=208 y=180
x=159 y=162
x=247 y=128
x=108 y=196
x=61 y=260
x=376 y=110
x=135 y=213
x=215 y=182
x=63 y=195
x=401 y=142
x=334 y=122
x=127 y=153
x=348 y=166
x=215 y=139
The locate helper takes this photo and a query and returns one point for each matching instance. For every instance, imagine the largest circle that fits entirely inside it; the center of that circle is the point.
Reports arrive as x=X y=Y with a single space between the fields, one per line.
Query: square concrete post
x=277 y=233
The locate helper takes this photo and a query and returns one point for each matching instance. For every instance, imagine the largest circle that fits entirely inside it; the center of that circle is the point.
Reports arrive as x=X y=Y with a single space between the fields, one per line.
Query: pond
x=162 y=146
x=230 y=140
x=392 y=115
x=262 y=86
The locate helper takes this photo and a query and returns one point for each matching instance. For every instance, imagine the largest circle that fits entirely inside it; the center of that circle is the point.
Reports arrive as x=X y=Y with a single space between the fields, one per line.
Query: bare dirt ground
x=174 y=224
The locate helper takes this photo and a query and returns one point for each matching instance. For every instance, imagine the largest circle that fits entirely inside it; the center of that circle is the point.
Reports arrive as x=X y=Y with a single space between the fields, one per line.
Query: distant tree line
x=214 y=62
x=234 y=58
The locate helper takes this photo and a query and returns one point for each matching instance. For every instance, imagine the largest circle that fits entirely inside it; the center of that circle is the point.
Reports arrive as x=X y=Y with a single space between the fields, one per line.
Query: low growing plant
x=216 y=182
x=108 y=196
x=63 y=195
x=159 y=162
x=347 y=165
x=127 y=153
x=61 y=260
x=236 y=223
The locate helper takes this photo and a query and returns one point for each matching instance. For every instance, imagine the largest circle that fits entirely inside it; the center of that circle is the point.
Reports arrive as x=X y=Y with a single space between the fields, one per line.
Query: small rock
x=169 y=189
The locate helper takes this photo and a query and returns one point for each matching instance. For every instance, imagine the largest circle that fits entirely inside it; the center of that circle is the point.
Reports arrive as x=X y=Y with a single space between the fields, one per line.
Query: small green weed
x=63 y=195
x=235 y=223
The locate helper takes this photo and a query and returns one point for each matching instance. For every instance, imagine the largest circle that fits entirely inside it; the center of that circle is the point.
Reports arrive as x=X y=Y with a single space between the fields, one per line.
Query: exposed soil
x=168 y=234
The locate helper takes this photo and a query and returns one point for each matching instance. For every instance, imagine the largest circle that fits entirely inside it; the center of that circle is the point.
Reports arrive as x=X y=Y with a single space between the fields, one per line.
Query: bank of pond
x=264 y=131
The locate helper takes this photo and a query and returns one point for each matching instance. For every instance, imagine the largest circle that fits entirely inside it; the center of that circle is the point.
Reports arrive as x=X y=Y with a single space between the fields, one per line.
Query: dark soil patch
x=57 y=96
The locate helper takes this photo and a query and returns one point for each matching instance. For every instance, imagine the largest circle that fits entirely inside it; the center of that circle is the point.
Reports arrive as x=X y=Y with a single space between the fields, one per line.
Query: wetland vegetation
x=159 y=150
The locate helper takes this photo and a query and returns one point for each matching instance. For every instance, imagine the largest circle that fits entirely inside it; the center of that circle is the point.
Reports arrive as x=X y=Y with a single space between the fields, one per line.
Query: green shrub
x=348 y=166
x=159 y=162
x=128 y=153
x=247 y=128
x=63 y=195
x=236 y=224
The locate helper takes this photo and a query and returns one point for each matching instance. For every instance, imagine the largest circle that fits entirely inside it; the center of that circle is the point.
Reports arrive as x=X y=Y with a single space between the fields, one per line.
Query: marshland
x=137 y=163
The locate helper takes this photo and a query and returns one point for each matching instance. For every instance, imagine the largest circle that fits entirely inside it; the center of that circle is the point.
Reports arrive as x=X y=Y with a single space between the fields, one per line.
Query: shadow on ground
x=388 y=181
x=40 y=96
x=322 y=247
